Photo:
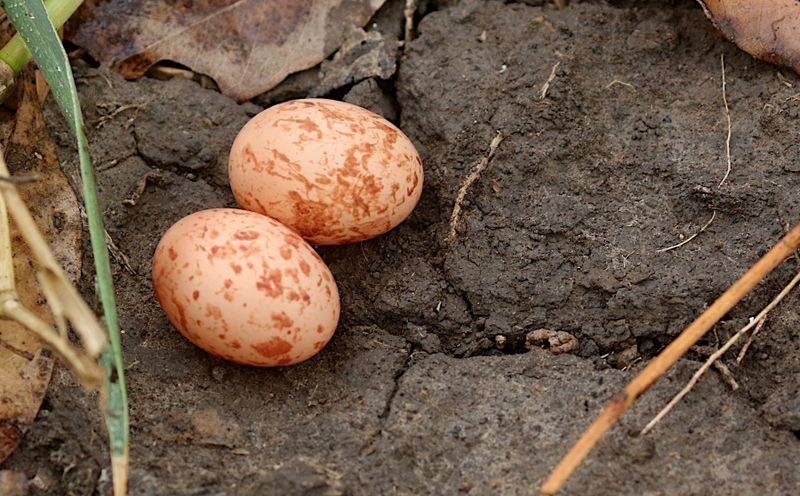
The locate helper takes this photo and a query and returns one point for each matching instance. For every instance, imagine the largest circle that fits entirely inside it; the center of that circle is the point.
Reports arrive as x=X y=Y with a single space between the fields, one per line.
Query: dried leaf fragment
x=13 y=483
x=246 y=46
x=766 y=29
x=24 y=384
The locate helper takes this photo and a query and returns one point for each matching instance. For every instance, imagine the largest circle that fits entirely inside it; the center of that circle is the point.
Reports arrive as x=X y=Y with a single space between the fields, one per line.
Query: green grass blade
x=32 y=23
x=16 y=54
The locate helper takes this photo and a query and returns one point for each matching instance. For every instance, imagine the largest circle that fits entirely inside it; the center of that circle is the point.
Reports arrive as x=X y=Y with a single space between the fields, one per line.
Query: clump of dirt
x=620 y=156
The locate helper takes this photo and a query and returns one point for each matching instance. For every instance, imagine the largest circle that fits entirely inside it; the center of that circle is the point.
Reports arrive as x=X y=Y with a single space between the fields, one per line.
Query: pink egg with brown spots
x=246 y=288
x=334 y=172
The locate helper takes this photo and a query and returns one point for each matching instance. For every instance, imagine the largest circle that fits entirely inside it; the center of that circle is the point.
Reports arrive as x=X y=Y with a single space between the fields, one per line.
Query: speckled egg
x=334 y=172
x=244 y=287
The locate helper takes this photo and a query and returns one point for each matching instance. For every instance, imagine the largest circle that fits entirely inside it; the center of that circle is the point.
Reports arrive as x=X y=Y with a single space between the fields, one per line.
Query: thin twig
x=723 y=369
x=410 y=10
x=623 y=83
x=757 y=322
x=726 y=374
x=102 y=121
x=743 y=351
x=713 y=216
x=728 y=117
x=473 y=176
x=119 y=256
x=550 y=78
x=656 y=368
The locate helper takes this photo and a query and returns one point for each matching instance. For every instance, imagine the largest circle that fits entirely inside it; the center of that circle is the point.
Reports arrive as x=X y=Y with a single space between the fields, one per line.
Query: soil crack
x=398 y=376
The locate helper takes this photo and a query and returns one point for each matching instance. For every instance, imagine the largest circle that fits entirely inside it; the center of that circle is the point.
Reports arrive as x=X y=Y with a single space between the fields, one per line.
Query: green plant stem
x=30 y=17
x=16 y=54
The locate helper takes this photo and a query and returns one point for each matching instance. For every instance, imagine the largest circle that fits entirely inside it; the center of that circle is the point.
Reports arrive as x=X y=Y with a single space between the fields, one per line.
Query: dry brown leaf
x=24 y=382
x=246 y=46
x=13 y=483
x=767 y=29
x=24 y=366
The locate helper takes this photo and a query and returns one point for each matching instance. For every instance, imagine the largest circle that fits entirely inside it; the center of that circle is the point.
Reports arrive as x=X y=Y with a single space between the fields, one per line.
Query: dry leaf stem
x=656 y=368
x=63 y=299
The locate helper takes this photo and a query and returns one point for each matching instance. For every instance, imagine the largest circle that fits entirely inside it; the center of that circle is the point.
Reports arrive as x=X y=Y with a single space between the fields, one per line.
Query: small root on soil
x=728 y=117
x=141 y=185
x=119 y=256
x=622 y=83
x=550 y=78
x=727 y=375
x=743 y=351
x=723 y=369
x=471 y=178
x=705 y=226
x=102 y=121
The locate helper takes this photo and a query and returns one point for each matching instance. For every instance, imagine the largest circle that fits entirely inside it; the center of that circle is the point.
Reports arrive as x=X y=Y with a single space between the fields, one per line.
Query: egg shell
x=246 y=288
x=334 y=172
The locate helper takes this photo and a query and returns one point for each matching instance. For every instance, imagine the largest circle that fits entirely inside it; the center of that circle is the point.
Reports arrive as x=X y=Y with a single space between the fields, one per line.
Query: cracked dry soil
x=562 y=231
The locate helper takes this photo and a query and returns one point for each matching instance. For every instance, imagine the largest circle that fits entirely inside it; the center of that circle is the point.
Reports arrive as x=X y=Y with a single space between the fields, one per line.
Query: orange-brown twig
x=656 y=368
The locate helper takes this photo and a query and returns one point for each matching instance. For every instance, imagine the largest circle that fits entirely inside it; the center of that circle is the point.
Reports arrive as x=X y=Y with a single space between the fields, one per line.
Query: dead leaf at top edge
x=246 y=46
x=766 y=29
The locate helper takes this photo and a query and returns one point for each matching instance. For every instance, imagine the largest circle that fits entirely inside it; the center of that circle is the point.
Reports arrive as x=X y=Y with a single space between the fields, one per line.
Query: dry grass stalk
x=63 y=299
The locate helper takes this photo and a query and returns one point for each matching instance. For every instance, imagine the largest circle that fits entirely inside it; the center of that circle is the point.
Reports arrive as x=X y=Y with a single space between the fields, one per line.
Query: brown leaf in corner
x=25 y=367
x=24 y=382
x=767 y=29
x=246 y=46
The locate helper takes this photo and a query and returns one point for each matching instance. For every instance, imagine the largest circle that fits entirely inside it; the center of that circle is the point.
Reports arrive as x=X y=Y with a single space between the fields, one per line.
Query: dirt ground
x=621 y=158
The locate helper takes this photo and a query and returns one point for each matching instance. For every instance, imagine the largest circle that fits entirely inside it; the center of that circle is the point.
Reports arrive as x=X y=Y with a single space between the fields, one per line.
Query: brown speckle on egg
x=281 y=320
x=273 y=347
x=270 y=283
